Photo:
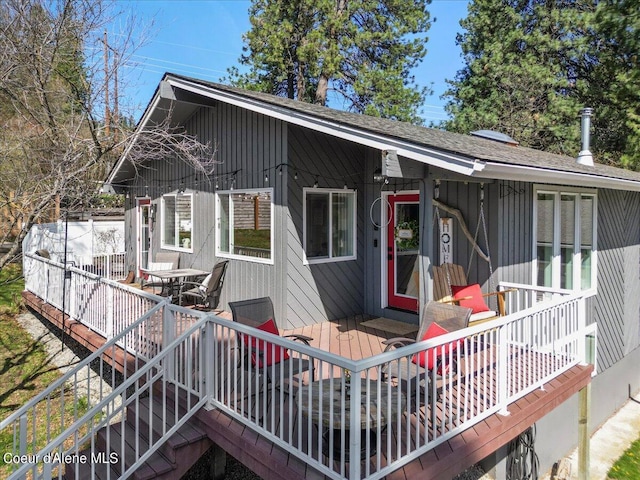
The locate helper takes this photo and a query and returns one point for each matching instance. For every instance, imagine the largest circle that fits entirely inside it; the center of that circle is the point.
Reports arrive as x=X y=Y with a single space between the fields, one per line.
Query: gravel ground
x=237 y=471
x=64 y=359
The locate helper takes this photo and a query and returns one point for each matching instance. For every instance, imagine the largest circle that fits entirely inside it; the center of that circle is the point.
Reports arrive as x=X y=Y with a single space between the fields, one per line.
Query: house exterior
x=293 y=204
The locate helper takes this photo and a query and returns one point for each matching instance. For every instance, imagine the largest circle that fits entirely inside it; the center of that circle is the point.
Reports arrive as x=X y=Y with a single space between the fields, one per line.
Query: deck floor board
x=348 y=338
x=451 y=457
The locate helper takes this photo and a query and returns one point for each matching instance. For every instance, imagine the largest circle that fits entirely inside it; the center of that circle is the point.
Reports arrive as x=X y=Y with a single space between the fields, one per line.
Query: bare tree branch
x=54 y=142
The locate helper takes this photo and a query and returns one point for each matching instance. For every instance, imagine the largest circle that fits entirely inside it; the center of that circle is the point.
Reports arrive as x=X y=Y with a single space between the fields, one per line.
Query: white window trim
x=247 y=258
x=556 y=265
x=163 y=244
x=329 y=191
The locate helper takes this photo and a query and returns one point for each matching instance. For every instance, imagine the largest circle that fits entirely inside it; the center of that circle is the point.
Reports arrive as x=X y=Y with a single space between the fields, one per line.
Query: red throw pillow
x=426 y=359
x=476 y=303
x=264 y=350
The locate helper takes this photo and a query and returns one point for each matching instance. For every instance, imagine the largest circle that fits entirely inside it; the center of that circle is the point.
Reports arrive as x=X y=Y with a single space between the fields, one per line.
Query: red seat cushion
x=426 y=358
x=265 y=352
x=476 y=303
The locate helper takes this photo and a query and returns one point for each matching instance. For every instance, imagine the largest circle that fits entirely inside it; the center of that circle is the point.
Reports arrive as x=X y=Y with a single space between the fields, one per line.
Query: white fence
x=94 y=246
x=313 y=414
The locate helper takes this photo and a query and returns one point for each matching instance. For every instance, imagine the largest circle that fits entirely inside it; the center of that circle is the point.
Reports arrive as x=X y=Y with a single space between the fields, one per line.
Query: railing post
x=23 y=438
x=208 y=345
x=72 y=295
x=582 y=330
x=355 y=422
x=108 y=266
x=503 y=369
x=109 y=313
x=168 y=336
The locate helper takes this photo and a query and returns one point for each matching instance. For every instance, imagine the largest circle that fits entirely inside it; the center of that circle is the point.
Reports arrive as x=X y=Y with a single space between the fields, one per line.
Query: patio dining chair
x=163 y=261
x=437 y=319
x=262 y=356
x=205 y=293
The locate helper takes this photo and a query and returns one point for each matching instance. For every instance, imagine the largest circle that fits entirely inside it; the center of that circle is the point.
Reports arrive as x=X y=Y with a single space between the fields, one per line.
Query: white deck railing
x=103 y=305
x=108 y=265
x=519 y=297
x=397 y=419
x=94 y=395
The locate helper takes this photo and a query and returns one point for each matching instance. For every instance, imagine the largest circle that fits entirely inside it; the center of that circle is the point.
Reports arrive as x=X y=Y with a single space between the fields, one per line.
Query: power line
x=169 y=62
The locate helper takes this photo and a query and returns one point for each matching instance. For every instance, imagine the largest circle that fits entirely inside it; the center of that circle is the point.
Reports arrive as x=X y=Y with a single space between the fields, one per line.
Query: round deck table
x=328 y=402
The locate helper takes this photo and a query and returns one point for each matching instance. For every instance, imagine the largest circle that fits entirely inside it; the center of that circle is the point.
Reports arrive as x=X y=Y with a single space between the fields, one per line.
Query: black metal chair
x=205 y=293
x=261 y=356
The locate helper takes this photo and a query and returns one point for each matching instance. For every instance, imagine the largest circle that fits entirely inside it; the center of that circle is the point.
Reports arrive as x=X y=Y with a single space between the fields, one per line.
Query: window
x=565 y=237
x=329 y=218
x=176 y=221
x=244 y=225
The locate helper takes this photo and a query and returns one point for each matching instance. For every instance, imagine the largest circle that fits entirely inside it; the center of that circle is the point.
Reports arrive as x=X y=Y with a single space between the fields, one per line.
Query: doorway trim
x=141 y=203
x=385 y=223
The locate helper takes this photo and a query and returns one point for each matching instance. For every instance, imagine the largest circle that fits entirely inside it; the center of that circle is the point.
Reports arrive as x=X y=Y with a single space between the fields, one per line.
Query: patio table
x=171 y=279
x=328 y=402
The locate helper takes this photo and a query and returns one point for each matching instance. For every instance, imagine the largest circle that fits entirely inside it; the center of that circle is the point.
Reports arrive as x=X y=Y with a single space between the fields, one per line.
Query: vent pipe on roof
x=585 y=157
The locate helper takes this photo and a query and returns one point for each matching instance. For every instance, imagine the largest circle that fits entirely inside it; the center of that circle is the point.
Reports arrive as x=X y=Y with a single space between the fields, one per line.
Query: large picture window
x=565 y=239
x=177 y=223
x=244 y=224
x=329 y=224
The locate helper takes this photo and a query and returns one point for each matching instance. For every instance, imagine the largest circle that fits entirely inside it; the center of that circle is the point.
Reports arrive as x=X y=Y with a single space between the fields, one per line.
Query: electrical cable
x=522 y=460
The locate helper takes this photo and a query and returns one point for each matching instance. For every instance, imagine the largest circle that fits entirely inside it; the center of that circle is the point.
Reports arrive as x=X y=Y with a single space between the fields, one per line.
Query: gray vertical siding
x=514 y=236
x=253 y=145
x=616 y=307
x=250 y=144
x=325 y=291
x=466 y=198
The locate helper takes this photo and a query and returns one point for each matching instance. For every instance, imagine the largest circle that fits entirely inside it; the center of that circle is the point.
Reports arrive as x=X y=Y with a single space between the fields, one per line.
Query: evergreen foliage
x=532 y=65
x=362 y=52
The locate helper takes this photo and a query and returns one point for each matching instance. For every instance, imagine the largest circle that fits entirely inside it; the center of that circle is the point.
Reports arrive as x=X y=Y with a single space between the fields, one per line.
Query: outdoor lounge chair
x=450 y=286
x=206 y=293
x=262 y=356
x=437 y=319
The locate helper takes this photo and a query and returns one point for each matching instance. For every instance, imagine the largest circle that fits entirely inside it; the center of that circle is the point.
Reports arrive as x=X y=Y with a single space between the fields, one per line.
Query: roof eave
x=502 y=171
x=155 y=100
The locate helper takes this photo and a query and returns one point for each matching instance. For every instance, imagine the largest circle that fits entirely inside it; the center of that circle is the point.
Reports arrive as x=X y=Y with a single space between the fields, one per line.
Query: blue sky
x=201 y=39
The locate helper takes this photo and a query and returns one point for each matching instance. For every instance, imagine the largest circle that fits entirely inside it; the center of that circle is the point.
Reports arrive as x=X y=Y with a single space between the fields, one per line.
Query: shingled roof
x=495 y=159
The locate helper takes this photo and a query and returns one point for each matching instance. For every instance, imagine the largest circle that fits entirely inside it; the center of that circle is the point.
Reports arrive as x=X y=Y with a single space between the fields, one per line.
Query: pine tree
x=532 y=65
x=521 y=76
x=614 y=86
x=362 y=52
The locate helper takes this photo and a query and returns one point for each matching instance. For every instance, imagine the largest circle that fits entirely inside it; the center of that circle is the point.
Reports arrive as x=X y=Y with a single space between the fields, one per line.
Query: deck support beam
x=584 y=432
x=218 y=463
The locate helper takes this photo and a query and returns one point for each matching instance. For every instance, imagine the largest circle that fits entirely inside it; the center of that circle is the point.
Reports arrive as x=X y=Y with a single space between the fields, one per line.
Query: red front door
x=403 y=246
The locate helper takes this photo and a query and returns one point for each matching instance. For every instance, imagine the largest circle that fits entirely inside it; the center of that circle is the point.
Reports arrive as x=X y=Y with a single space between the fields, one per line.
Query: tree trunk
x=290 y=89
x=321 y=91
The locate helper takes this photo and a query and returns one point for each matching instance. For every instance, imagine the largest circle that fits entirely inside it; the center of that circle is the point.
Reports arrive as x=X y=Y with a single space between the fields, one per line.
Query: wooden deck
x=349 y=338
x=85 y=337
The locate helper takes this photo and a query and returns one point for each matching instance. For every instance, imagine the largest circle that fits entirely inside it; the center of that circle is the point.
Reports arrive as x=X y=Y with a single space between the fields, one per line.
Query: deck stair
x=171 y=461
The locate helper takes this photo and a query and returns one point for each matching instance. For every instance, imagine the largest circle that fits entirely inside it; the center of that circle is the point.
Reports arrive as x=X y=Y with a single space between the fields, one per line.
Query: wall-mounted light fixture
x=378 y=177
